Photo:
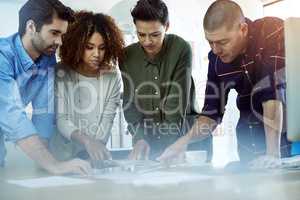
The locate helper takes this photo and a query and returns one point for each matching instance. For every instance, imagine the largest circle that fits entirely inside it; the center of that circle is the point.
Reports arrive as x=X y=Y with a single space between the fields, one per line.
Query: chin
x=149 y=51
x=94 y=67
x=152 y=53
x=226 y=60
x=49 y=53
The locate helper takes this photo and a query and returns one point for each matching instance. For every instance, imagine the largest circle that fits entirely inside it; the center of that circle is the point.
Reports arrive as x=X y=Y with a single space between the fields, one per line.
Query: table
x=264 y=185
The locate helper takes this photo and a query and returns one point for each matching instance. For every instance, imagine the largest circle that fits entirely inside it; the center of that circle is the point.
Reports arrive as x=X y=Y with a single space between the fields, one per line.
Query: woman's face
x=94 y=52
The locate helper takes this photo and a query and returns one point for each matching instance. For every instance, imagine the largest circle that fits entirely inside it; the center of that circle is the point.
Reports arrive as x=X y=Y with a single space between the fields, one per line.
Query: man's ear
x=244 y=28
x=167 y=26
x=30 y=27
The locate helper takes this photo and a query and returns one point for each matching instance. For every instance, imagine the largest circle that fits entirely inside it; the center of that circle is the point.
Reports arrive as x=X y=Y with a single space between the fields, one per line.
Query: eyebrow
x=222 y=40
x=55 y=30
x=156 y=32
x=94 y=44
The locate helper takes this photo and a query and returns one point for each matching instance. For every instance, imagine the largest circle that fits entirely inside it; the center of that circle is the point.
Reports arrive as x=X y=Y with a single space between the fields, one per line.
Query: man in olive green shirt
x=157 y=81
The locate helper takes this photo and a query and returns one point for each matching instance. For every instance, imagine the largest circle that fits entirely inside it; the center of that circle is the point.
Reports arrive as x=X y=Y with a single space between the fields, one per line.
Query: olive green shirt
x=156 y=91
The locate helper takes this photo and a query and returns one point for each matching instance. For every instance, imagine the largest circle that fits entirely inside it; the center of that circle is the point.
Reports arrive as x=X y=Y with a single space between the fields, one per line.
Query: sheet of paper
x=291 y=163
x=53 y=181
x=157 y=178
x=167 y=178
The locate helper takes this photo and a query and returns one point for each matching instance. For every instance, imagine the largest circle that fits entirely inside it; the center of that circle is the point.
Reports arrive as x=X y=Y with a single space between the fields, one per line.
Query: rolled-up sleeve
x=14 y=123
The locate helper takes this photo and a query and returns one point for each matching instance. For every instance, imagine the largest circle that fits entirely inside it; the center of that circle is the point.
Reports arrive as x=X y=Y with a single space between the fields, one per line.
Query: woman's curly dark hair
x=80 y=31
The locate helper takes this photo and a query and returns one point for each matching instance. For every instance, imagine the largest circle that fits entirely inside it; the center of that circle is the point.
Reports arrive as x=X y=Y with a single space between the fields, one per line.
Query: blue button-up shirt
x=24 y=81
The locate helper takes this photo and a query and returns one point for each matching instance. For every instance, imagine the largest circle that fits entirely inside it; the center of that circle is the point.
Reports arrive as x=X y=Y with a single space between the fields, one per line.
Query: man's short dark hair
x=222 y=13
x=150 y=10
x=42 y=12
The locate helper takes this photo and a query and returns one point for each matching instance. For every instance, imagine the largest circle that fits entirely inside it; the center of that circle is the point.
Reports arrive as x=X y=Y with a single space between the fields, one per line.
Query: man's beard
x=50 y=50
x=39 y=46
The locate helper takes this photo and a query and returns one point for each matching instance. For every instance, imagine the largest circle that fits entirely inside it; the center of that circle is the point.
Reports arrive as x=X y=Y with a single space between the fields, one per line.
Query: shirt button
x=155 y=78
x=60 y=73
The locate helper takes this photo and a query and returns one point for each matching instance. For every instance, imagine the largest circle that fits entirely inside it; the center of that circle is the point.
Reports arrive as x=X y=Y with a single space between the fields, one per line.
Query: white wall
x=283 y=9
x=9 y=17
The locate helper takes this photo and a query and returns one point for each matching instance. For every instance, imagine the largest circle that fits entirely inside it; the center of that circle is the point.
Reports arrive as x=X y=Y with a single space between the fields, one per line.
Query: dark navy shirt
x=257 y=75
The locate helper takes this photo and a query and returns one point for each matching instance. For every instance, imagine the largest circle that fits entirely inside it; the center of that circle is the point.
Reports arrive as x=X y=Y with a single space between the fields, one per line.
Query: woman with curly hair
x=88 y=87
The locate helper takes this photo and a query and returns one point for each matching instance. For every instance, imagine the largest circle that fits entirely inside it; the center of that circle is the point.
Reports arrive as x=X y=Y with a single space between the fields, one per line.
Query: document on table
x=291 y=162
x=156 y=178
x=52 y=181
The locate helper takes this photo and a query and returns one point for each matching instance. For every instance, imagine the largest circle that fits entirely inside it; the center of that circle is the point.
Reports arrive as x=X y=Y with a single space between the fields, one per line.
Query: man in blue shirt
x=27 y=61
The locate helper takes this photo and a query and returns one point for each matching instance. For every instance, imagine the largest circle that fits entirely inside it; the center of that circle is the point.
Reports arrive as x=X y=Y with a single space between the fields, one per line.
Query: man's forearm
x=38 y=152
x=203 y=127
x=273 y=119
x=273 y=142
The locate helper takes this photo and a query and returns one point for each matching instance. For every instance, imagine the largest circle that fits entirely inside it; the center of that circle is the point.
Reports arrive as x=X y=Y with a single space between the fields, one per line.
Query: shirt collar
x=25 y=59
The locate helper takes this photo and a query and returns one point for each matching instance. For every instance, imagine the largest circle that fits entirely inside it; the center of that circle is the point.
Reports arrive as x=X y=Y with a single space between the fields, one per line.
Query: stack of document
x=291 y=162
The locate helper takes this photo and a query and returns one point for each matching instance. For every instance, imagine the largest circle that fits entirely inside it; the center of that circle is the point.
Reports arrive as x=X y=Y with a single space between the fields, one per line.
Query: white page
x=53 y=181
x=167 y=178
x=156 y=178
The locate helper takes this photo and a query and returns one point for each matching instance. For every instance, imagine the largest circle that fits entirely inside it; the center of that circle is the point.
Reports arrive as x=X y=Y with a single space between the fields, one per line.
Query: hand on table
x=141 y=151
x=75 y=166
x=174 y=153
x=265 y=162
x=96 y=149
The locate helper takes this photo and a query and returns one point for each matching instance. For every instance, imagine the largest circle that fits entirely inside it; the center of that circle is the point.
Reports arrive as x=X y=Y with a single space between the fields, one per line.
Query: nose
x=216 y=49
x=58 y=41
x=96 y=52
x=147 y=41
